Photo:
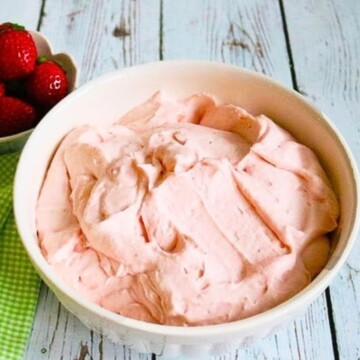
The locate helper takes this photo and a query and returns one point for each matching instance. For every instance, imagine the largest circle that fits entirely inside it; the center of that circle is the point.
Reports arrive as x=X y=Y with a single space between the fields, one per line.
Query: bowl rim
x=13 y=137
x=305 y=296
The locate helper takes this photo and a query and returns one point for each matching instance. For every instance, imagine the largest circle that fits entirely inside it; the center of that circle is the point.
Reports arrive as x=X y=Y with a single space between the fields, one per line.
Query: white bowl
x=103 y=101
x=15 y=142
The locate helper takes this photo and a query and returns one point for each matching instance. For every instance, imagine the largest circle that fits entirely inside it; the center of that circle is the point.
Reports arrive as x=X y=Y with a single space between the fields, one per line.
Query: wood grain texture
x=107 y=35
x=250 y=34
x=103 y=35
x=57 y=334
x=246 y=33
x=21 y=12
x=302 y=339
x=326 y=52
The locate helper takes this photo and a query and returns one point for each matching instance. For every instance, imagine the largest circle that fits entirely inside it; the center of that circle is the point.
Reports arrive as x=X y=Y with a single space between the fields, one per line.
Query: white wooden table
x=311 y=45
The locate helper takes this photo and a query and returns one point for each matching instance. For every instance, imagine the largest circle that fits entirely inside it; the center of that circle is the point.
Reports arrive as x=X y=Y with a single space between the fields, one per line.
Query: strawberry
x=7 y=26
x=15 y=116
x=47 y=84
x=2 y=89
x=16 y=88
x=17 y=52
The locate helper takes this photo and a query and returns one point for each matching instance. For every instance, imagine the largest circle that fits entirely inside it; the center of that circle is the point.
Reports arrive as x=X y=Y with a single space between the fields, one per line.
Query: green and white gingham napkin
x=19 y=283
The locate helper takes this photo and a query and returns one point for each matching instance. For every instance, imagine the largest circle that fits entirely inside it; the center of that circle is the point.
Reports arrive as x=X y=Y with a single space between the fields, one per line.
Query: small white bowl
x=15 y=142
x=103 y=101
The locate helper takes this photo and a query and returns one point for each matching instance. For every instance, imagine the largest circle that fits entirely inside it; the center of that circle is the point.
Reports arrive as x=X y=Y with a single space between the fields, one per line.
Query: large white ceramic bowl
x=103 y=101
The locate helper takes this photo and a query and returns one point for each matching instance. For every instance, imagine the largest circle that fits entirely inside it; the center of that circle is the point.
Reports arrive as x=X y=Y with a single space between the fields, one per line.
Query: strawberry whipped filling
x=186 y=213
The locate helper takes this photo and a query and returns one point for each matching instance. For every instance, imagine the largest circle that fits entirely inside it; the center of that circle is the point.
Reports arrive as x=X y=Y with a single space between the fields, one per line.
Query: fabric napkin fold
x=19 y=283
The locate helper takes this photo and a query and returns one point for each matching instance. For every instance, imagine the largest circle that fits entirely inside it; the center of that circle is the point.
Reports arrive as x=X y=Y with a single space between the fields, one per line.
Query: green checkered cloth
x=19 y=283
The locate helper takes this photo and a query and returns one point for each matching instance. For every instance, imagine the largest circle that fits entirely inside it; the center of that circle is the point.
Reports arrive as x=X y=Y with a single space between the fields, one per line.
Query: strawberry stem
x=42 y=59
x=11 y=26
x=16 y=26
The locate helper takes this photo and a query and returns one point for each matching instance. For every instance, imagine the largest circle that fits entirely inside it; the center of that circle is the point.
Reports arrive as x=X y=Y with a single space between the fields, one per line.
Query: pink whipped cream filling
x=186 y=213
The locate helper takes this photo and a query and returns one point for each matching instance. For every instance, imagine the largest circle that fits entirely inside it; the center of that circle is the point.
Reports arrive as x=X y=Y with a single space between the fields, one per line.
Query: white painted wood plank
x=58 y=334
x=326 y=50
x=102 y=36
x=245 y=33
x=302 y=339
x=291 y=343
x=232 y=51
x=249 y=34
x=21 y=12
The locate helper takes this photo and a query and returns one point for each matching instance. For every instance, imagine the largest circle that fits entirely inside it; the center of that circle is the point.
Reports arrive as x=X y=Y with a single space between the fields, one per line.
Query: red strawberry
x=17 y=52
x=16 y=88
x=48 y=84
x=7 y=26
x=15 y=116
x=2 y=89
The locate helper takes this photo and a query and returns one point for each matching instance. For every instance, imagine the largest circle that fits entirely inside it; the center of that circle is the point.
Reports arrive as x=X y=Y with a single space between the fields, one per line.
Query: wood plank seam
x=295 y=86
x=288 y=46
x=332 y=325
x=41 y=15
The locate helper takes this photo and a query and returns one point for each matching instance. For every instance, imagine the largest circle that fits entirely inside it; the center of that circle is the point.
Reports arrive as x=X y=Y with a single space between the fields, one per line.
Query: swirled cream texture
x=186 y=213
